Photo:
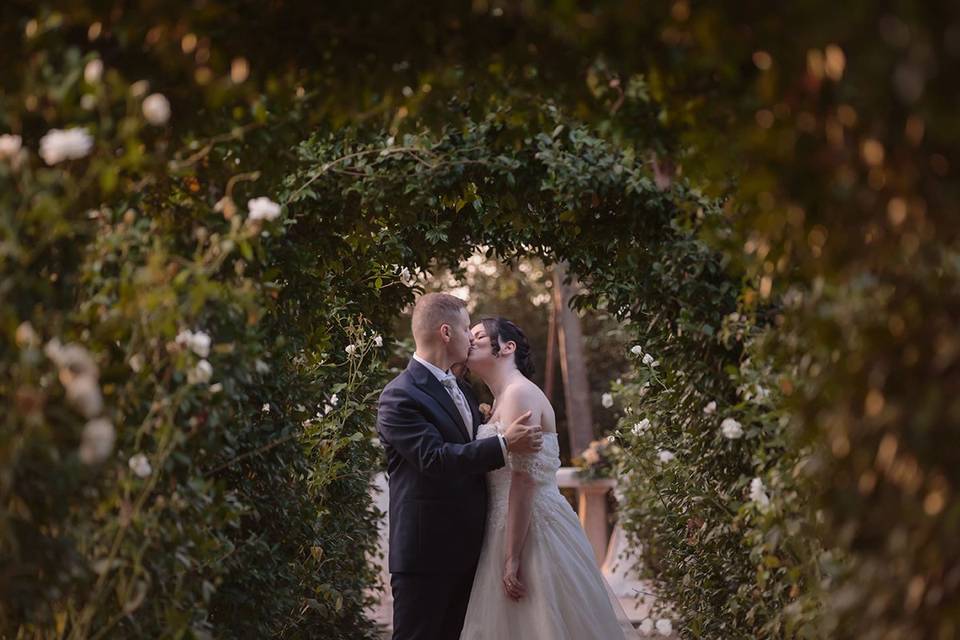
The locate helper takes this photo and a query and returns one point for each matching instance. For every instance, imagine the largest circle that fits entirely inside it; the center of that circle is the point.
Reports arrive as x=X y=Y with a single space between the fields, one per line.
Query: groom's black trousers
x=429 y=606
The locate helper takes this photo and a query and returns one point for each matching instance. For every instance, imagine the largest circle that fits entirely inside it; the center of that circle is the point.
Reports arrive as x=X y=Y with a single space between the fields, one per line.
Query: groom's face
x=460 y=338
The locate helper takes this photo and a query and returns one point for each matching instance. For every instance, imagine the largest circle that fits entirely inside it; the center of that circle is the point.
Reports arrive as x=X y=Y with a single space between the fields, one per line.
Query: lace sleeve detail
x=531 y=464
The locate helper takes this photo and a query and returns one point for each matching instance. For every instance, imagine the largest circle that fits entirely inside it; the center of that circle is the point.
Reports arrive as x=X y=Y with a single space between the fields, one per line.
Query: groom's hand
x=523 y=438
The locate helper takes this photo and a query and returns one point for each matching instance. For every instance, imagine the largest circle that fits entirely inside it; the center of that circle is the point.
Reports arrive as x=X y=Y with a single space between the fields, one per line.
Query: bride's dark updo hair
x=500 y=328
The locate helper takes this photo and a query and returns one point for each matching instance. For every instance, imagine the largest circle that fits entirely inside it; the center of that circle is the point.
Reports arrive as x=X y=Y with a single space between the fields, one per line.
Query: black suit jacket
x=438 y=493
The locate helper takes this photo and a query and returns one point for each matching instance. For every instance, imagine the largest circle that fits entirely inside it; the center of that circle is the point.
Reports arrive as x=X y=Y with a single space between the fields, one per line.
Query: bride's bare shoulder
x=521 y=390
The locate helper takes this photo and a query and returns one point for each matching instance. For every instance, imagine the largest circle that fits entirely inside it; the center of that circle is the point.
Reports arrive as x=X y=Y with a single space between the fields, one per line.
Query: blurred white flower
x=711 y=408
x=351 y=349
x=263 y=208
x=301 y=408
x=88 y=101
x=72 y=359
x=10 y=146
x=758 y=494
x=606 y=400
x=266 y=407
x=97 y=440
x=65 y=144
x=140 y=465
x=262 y=367
x=664 y=627
x=198 y=342
x=78 y=374
x=378 y=341
x=731 y=429
x=83 y=392
x=216 y=387
x=156 y=109
x=201 y=373
x=139 y=88
x=26 y=336
x=136 y=362
x=636 y=350
x=641 y=427
x=93 y=71
x=762 y=394
x=646 y=626
x=665 y=456
x=334 y=400
x=326 y=409
x=405 y=276
x=648 y=359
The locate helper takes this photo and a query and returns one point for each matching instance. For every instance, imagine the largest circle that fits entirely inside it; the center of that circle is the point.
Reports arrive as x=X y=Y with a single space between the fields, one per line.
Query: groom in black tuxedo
x=427 y=421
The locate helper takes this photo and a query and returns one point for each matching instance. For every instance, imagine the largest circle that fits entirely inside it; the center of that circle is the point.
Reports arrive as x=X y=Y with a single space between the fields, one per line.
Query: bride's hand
x=511 y=580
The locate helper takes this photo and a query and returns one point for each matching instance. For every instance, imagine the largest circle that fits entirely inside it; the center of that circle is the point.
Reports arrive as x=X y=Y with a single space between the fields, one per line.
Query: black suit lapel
x=429 y=383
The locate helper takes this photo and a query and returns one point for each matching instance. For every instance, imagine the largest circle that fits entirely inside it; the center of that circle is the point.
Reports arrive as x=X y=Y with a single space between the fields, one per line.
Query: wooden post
x=573 y=364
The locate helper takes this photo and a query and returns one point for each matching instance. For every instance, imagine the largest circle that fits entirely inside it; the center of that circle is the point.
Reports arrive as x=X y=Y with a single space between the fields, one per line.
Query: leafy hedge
x=148 y=494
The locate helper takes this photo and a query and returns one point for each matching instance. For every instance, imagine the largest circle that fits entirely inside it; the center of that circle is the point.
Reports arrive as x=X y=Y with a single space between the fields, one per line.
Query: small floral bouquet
x=599 y=460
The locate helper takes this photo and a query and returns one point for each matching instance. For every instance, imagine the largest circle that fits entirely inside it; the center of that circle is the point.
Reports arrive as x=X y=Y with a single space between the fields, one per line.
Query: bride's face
x=481 y=354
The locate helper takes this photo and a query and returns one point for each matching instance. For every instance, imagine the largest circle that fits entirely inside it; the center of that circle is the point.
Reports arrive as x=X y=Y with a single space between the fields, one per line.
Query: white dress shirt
x=442 y=375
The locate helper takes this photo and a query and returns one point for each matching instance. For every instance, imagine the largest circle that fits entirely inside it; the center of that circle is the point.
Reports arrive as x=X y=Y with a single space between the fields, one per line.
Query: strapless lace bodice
x=541 y=466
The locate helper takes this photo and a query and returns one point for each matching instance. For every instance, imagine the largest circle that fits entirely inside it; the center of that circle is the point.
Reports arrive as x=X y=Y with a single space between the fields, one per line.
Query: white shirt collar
x=438 y=373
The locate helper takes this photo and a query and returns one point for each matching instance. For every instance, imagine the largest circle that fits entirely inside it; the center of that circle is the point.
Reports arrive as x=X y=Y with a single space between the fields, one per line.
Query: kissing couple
x=482 y=544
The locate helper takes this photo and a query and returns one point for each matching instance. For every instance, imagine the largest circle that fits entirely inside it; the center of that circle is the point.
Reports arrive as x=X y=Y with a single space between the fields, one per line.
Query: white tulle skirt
x=567 y=597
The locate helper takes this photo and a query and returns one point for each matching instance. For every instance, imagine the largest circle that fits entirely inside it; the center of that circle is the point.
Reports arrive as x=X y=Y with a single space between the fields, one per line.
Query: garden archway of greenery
x=364 y=208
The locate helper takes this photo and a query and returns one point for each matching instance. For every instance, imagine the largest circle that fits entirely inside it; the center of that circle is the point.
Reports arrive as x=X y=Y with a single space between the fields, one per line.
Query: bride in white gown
x=536 y=577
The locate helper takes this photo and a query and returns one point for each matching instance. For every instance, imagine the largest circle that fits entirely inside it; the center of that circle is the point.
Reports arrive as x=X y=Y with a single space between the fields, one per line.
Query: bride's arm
x=520 y=504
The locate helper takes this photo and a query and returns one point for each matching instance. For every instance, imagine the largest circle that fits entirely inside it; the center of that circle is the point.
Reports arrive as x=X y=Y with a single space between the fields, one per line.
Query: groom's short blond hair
x=433 y=310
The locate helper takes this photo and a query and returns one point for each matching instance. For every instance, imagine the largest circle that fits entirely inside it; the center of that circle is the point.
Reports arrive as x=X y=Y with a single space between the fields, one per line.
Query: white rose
x=665 y=456
x=263 y=209
x=378 y=341
x=156 y=109
x=83 y=392
x=606 y=400
x=758 y=494
x=200 y=373
x=93 y=71
x=140 y=465
x=97 y=441
x=731 y=429
x=641 y=427
x=664 y=627
x=636 y=350
x=65 y=144
x=646 y=626
x=10 y=146
x=711 y=408
x=200 y=344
